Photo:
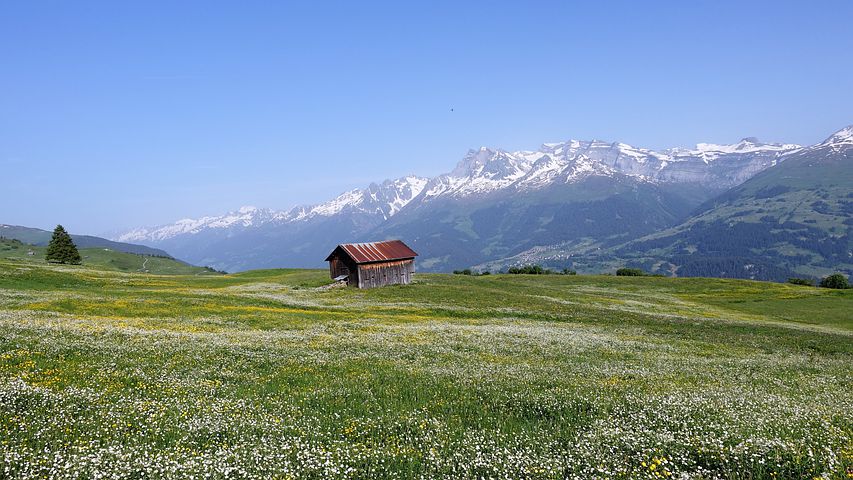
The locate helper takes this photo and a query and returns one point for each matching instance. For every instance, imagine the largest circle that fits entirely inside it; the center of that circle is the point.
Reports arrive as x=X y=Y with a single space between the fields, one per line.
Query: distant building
x=375 y=264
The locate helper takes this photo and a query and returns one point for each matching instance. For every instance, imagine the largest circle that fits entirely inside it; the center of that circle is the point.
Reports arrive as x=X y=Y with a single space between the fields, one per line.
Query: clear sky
x=122 y=114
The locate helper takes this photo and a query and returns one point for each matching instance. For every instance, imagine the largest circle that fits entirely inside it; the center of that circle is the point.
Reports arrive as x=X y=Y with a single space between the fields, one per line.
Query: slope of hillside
x=598 y=211
x=793 y=219
x=37 y=236
x=796 y=216
x=104 y=258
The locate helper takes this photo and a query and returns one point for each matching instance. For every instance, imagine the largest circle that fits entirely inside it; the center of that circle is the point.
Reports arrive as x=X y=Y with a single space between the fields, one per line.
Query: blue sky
x=121 y=114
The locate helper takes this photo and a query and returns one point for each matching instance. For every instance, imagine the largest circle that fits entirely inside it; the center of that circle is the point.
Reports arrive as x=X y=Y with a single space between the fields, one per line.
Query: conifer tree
x=61 y=248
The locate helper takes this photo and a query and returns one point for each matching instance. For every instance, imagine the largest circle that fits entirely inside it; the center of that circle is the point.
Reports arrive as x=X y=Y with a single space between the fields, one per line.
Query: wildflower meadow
x=269 y=374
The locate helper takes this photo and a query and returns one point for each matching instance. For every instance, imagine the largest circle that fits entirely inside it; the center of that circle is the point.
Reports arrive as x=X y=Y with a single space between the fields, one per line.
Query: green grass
x=268 y=374
x=107 y=259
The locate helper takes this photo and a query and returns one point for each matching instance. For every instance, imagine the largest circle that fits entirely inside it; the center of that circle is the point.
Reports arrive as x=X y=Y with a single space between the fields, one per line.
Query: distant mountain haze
x=39 y=237
x=497 y=208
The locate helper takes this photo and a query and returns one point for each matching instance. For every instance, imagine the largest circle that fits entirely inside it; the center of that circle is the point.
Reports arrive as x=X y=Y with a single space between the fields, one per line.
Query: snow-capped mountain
x=841 y=140
x=792 y=219
x=714 y=166
x=382 y=200
x=243 y=217
x=486 y=170
x=259 y=237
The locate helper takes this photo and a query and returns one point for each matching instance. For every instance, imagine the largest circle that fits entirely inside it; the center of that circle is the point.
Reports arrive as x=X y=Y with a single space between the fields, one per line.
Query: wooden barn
x=375 y=264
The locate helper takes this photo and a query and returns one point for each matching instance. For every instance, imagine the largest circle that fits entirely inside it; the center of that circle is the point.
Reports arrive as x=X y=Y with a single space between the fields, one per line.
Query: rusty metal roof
x=376 y=251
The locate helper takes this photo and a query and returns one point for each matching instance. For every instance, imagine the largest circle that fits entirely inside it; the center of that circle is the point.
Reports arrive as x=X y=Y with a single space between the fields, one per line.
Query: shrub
x=630 y=272
x=467 y=271
x=569 y=271
x=801 y=281
x=836 y=280
x=527 y=270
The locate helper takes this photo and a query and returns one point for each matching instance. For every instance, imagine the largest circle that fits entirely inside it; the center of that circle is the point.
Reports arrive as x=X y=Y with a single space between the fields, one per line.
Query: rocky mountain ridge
x=486 y=171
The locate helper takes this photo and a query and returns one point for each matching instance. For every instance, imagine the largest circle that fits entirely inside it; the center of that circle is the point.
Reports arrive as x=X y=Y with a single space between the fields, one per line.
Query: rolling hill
x=104 y=258
x=39 y=237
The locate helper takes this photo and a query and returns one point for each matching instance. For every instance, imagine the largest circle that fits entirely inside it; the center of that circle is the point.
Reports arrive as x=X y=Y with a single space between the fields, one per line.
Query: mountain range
x=590 y=205
x=791 y=220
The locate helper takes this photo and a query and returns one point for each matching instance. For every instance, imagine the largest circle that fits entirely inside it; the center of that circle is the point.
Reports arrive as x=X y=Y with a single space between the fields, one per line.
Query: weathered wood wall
x=342 y=265
x=370 y=275
x=379 y=274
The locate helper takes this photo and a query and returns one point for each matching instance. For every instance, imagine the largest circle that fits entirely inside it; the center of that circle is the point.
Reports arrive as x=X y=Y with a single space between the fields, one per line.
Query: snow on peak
x=840 y=138
x=487 y=170
x=243 y=217
x=406 y=189
x=387 y=198
x=709 y=152
x=472 y=161
x=482 y=171
x=336 y=205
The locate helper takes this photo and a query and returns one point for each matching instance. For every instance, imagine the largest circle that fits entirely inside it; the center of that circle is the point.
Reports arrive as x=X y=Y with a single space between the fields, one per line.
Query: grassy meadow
x=269 y=374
